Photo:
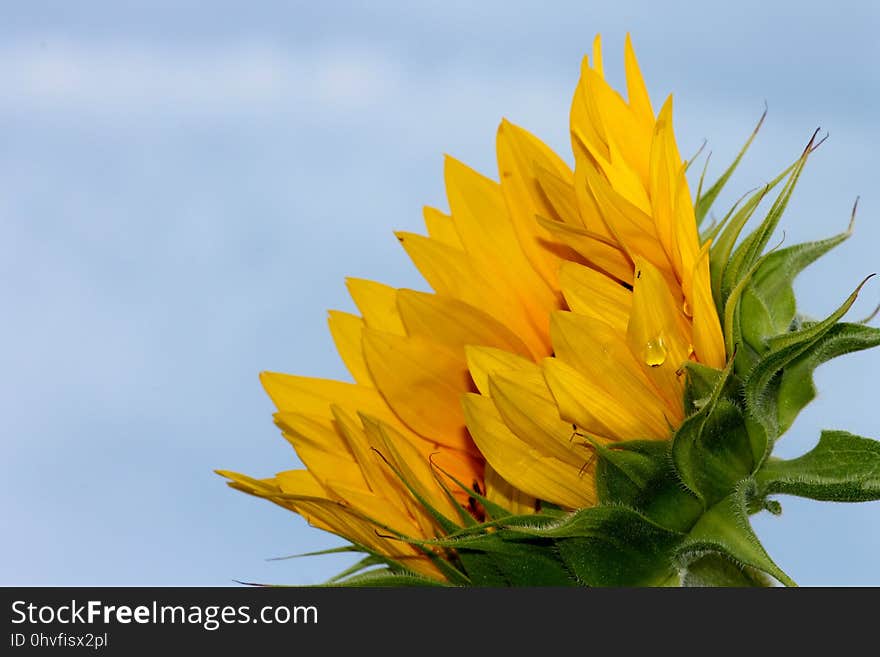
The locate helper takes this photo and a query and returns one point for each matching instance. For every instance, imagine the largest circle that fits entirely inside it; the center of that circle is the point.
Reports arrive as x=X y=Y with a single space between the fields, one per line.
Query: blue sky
x=184 y=190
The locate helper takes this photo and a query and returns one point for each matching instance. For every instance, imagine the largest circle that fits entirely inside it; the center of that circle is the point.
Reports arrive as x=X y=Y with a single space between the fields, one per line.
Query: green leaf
x=716 y=570
x=705 y=201
x=796 y=388
x=842 y=467
x=768 y=302
x=724 y=529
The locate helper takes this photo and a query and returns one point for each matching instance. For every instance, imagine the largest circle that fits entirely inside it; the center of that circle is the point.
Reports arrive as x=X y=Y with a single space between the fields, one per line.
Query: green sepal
x=705 y=201
x=385 y=578
x=639 y=474
x=712 y=451
x=716 y=570
x=842 y=467
x=726 y=234
x=768 y=301
x=724 y=529
x=493 y=511
x=625 y=471
x=796 y=388
x=507 y=558
x=761 y=386
x=493 y=554
x=701 y=382
x=611 y=546
x=445 y=523
x=747 y=253
x=367 y=562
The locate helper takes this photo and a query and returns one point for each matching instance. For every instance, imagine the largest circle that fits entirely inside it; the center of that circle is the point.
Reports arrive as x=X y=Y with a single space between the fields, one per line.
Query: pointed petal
x=504 y=494
x=595 y=249
x=450 y=272
x=377 y=303
x=346 y=331
x=322 y=449
x=518 y=151
x=602 y=355
x=484 y=362
x=593 y=294
x=582 y=401
x=529 y=469
x=530 y=411
x=415 y=469
x=441 y=227
x=636 y=91
x=708 y=338
x=454 y=323
x=312 y=396
x=560 y=194
x=422 y=383
x=658 y=334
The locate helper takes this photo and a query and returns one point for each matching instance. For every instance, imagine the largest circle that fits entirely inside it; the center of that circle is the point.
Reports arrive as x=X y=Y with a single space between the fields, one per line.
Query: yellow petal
x=422 y=383
x=450 y=272
x=484 y=362
x=415 y=470
x=518 y=153
x=529 y=469
x=312 y=396
x=687 y=240
x=607 y=107
x=322 y=449
x=492 y=242
x=377 y=303
x=602 y=355
x=350 y=523
x=591 y=293
x=665 y=164
x=597 y=56
x=376 y=474
x=441 y=227
x=504 y=494
x=530 y=411
x=708 y=338
x=633 y=229
x=594 y=248
x=582 y=401
x=658 y=334
x=560 y=193
x=346 y=331
x=636 y=91
x=454 y=323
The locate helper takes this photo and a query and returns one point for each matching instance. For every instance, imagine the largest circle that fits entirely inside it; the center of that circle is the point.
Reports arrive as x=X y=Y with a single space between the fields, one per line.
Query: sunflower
x=564 y=297
x=568 y=307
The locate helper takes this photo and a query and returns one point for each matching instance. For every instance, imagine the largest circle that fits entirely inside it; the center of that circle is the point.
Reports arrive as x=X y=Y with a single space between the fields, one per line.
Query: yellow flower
x=561 y=298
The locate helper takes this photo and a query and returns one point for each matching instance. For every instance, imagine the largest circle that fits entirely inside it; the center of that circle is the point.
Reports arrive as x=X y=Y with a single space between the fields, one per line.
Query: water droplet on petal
x=686 y=309
x=655 y=352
